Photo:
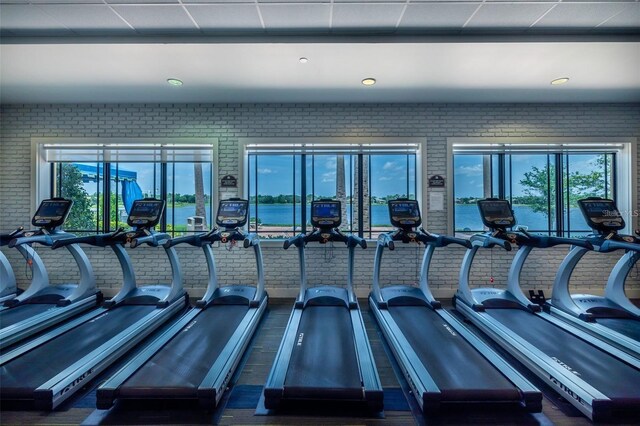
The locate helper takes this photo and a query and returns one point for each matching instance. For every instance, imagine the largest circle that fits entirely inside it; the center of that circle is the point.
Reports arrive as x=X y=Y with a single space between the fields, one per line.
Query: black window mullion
x=614 y=183
x=106 y=196
x=256 y=189
x=549 y=194
x=293 y=169
x=163 y=194
x=303 y=192
x=501 y=176
x=360 y=196
x=568 y=192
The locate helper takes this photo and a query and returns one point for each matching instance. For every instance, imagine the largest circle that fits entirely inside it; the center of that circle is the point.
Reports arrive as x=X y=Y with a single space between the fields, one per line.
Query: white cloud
x=329 y=177
x=385 y=178
x=391 y=166
x=470 y=170
x=266 y=171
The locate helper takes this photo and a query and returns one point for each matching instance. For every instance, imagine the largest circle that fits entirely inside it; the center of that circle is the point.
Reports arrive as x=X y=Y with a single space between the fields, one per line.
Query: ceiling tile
x=39 y=2
x=26 y=19
x=294 y=1
x=579 y=15
x=219 y=17
x=141 y=1
x=87 y=18
x=366 y=16
x=437 y=15
x=629 y=17
x=296 y=16
x=213 y=2
x=156 y=19
x=508 y=15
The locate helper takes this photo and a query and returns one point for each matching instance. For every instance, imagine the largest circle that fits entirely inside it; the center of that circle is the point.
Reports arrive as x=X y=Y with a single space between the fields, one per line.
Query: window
x=282 y=185
x=543 y=182
x=103 y=191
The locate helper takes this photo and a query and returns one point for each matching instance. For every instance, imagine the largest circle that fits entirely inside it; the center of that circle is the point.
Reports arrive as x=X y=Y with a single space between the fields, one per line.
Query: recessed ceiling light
x=369 y=81
x=303 y=60
x=559 y=81
x=174 y=82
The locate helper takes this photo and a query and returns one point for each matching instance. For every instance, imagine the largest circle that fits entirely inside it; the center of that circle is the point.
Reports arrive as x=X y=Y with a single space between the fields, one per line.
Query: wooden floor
x=252 y=375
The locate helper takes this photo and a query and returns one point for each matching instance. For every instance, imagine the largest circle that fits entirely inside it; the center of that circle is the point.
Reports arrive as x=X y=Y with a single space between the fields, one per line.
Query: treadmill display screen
x=496 y=213
x=145 y=213
x=601 y=214
x=404 y=213
x=52 y=213
x=326 y=214
x=232 y=213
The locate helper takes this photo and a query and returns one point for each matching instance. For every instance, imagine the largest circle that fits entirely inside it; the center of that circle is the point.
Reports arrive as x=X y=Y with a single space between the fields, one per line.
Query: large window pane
x=188 y=197
x=532 y=191
x=129 y=182
x=468 y=188
x=80 y=182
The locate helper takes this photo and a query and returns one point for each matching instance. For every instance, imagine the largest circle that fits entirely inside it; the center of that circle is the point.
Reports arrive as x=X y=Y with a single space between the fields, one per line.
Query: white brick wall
x=227 y=123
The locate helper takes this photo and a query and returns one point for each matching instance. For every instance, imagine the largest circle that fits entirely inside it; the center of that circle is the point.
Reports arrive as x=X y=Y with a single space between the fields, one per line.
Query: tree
x=539 y=185
x=81 y=216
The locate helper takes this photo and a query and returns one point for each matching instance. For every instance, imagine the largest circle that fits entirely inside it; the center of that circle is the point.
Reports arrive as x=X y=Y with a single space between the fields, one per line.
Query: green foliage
x=81 y=216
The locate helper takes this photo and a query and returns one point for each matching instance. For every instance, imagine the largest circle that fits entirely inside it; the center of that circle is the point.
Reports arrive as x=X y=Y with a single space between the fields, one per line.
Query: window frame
x=43 y=179
x=342 y=144
x=625 y=174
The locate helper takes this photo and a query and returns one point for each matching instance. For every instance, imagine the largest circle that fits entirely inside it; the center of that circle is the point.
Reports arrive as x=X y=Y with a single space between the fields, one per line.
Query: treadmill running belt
x=594 y=366
x=625 y=326
x=324 y=363
x=458 y=369
x=21 y=376
x=16 y=314
x=180 y=366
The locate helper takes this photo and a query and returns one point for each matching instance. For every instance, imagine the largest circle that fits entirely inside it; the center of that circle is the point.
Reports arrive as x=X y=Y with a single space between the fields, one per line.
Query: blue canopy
x=130 y=192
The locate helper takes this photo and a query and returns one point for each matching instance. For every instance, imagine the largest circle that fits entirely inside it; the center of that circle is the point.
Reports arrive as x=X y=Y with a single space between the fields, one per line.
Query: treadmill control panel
x=232 y=213
x=145 y=213
x=52 y=213
x=601 y=214
x=326 y=213
x=496 y=214
x=404 y=213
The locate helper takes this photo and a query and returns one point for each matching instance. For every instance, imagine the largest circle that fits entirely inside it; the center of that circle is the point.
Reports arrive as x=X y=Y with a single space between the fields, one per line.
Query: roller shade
x=547 y=148
x=335 y=149
x=128 y=152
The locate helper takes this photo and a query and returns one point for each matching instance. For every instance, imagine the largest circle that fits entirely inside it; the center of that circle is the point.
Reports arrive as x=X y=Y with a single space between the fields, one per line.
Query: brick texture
x=229 y=122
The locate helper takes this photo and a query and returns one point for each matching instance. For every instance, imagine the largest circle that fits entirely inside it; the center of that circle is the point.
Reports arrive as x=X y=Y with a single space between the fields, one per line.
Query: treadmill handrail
x=386 y=240
x=489 y=241
x=296 y=241
x=44 y=239
x=546 y=241
x=443 y=240
x=354 y=240
x=6 y=237
x=100 y=240
x=611 y=245
x=153 y=240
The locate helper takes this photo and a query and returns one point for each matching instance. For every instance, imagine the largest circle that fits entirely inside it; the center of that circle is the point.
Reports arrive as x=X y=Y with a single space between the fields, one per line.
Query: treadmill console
x=52 y=213
x=145 y=213
x=601 y=214
x=404 y=213
x=326 y=214
x=496 y=214
x=232 y=213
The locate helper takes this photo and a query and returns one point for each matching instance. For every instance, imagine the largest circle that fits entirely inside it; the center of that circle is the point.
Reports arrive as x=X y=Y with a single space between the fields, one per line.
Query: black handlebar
x=297 y=240
x=324 y=236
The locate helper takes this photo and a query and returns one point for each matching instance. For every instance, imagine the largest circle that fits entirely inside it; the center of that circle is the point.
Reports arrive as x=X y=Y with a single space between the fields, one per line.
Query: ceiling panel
x=363 y=16
x=508 y=15
x=157 y=19
x=220 y=17
x=143 y=2
x=28 y=19
x=579 y=15
x=296 y=16
x=87 y=18
x=629 y=17
x=437 y=15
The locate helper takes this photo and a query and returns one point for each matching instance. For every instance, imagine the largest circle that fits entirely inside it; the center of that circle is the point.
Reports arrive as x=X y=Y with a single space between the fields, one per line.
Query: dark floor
x=239 y=405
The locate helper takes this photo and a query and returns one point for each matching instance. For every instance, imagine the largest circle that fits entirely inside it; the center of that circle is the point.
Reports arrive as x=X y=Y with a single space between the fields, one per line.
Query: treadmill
x=48 y=369
x=444 y=362
x=612 y=317
x=197 y=356
x=43 y=305
x=8 y=286
x=324 y=353
x=598 y=379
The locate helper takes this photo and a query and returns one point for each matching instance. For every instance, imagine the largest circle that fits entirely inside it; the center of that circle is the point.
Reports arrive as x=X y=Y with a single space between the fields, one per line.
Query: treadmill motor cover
x=232 y=213
x=52 y=213
x=496 y=213
x=404 y=213
x=326 y=214
x=601 y=214
x=145 y=213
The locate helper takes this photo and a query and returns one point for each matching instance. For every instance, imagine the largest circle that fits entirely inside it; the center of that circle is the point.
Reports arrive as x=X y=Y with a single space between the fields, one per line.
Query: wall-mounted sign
x=229 y=181
x=436 y=181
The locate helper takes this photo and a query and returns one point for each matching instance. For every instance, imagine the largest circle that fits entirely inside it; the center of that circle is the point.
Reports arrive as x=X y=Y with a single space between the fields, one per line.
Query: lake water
x=467 y=216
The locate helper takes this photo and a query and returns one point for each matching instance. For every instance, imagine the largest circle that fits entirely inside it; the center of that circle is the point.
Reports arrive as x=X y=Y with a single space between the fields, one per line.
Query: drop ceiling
x=248 y=51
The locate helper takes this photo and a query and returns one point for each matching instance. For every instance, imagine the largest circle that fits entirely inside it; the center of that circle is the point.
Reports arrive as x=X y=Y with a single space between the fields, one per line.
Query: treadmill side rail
x=582 y=395
x=368 y=372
